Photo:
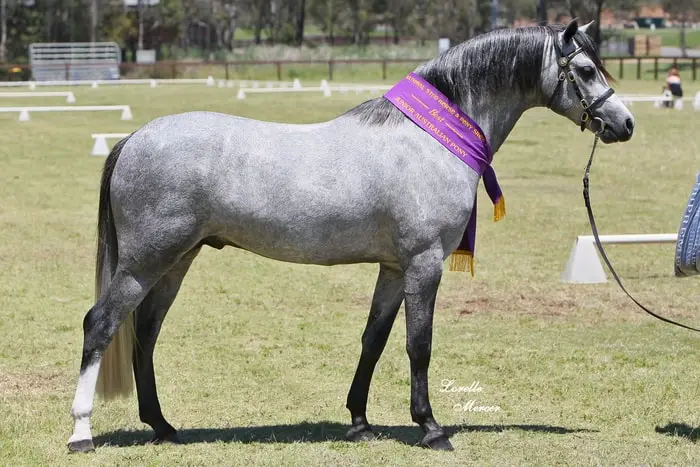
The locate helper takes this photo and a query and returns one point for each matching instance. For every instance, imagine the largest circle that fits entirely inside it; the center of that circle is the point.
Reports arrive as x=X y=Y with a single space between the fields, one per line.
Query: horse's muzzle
x=613 y=134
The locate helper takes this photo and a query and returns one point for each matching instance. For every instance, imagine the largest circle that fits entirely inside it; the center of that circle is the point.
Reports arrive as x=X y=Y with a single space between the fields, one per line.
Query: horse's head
x=577 y=83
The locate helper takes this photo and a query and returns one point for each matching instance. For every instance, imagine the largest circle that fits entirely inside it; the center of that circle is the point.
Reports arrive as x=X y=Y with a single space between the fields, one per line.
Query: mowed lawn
x=256 y=356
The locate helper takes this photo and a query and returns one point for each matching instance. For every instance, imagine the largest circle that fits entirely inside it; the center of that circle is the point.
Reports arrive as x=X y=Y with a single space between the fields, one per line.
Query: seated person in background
x=673 y=84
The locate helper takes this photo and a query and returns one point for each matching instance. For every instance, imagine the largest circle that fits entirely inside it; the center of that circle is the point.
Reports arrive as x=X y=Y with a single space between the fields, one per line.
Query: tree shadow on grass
x=306 y=432
x=681 y=430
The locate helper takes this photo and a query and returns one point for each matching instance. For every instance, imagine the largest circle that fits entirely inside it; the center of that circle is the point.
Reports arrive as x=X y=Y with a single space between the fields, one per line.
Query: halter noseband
x=564 y=62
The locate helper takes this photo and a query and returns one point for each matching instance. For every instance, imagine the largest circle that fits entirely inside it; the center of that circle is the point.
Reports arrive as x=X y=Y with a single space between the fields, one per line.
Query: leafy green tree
x=326 y=14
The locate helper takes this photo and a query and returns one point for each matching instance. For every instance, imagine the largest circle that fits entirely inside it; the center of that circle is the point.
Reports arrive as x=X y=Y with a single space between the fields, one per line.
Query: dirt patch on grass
x=518 y=303
x=31 y=382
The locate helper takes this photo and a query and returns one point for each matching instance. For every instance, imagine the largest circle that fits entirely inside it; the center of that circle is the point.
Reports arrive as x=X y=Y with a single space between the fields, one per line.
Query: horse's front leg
x=421 y=283
x=388 y=295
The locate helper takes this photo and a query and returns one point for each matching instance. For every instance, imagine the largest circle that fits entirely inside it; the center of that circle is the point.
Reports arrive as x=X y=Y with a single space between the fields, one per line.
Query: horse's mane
x=506 y=58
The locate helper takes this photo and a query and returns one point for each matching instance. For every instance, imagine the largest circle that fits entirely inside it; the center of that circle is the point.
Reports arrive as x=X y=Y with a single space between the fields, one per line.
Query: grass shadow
x=306 y=432
x=681 y=430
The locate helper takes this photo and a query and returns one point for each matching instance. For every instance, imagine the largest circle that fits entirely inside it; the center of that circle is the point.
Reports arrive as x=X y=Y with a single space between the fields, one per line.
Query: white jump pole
x=584 y=266
x=70 y=97
x=100 y=148
x=24 y=111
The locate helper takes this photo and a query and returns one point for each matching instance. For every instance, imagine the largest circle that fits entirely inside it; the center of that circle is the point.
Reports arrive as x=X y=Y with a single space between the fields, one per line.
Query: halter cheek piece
x=564 y=62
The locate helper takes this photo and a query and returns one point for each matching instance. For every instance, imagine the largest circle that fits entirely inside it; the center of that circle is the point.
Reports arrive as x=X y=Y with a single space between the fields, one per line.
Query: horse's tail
x=115 y=378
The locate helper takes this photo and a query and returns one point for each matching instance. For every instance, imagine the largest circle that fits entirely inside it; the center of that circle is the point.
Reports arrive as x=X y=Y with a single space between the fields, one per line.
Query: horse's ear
x=584 y=28
x=570 y=31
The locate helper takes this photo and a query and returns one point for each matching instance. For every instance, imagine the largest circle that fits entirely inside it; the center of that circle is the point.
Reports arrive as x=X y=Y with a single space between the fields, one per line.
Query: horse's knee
x=424 y=272
x=95 y=329
x=418 y=350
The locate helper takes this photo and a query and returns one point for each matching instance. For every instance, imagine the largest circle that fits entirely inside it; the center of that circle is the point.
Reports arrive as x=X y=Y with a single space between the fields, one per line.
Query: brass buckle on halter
x=563 y=62
x=571 y=76
x=600 y=122
x=584 y=103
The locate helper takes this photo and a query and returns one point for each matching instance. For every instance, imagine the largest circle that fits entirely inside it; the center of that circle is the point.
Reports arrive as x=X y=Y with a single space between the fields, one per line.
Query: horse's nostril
x=629 y=124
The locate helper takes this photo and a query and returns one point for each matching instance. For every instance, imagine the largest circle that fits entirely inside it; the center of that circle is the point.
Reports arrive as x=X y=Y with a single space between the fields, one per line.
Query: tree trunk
x=259 y=24
x=48 y=21
x=542 y=12
x=355 y=5
x=140 y=7
x=3 y=30
x=93 y=20
x=232 y=12
x=598 y=12
x=231 y=33
x=494 y=14
x=300 y=22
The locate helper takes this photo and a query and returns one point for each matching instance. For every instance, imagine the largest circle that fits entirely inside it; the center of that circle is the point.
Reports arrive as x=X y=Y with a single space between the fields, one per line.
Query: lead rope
x=591 y=219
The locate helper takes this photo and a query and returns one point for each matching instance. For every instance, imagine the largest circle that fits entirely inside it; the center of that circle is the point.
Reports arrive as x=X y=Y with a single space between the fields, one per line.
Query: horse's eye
x=587 y=72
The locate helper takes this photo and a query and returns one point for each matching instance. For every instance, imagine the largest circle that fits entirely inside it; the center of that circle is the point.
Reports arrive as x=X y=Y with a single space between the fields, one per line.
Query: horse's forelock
x=589 y=48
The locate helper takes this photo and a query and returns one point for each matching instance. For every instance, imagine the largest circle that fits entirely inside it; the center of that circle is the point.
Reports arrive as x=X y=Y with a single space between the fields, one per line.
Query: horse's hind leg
x=127 y=289
x=388 y=295
x=124 y=294
x=149 y=318
x=423 y=276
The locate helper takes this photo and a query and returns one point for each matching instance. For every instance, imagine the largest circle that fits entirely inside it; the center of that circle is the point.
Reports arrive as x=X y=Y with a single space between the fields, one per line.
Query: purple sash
x=433 y=112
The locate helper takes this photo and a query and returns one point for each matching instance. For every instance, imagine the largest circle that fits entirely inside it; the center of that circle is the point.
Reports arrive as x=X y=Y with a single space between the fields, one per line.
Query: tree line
x=216 y=26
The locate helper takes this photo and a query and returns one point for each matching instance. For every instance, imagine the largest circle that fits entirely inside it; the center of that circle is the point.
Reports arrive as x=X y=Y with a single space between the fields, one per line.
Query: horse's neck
x=497 y=116
x=498 y=110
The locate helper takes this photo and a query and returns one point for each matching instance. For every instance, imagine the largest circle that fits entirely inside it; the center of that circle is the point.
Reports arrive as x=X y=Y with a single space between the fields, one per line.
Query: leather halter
x=564 y=62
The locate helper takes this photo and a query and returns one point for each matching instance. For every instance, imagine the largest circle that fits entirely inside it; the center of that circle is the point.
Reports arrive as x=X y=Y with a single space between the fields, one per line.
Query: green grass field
x=256 y=356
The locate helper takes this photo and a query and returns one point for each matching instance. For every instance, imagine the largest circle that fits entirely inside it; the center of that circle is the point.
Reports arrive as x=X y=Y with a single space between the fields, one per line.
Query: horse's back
x=301 y=193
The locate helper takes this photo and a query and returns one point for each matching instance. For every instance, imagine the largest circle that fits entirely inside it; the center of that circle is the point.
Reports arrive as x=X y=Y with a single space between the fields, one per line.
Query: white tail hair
x=116 y=369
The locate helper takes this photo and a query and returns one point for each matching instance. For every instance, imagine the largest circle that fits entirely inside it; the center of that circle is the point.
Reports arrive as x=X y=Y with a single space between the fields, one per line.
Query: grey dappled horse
x=367 y=186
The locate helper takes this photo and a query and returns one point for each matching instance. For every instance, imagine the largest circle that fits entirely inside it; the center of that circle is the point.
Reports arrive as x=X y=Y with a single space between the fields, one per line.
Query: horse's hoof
x=437 y=442
x=360 y=433
x=170 y=438
x=83 y=445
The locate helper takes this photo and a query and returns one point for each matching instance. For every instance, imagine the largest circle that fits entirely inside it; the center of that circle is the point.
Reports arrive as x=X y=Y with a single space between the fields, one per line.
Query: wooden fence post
x=622 y=68
x=656 y=68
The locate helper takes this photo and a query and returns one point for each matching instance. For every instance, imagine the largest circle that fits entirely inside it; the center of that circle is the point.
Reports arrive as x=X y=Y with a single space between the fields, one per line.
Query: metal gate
x=74 y=61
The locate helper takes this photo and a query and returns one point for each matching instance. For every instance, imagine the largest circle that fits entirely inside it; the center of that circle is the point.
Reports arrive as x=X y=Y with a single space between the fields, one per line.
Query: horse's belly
x=299 y=238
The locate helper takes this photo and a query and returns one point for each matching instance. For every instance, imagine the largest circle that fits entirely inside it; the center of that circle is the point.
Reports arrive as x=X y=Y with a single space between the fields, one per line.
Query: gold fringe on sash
x=499 y=209
x=462 y=261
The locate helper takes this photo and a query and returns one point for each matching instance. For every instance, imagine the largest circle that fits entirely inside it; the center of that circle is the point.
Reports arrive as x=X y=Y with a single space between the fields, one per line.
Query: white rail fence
x=24 y=112
x=659 y=100
x=584 y=266
x=70 y=98
x=326 y=89
x=109 y=82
